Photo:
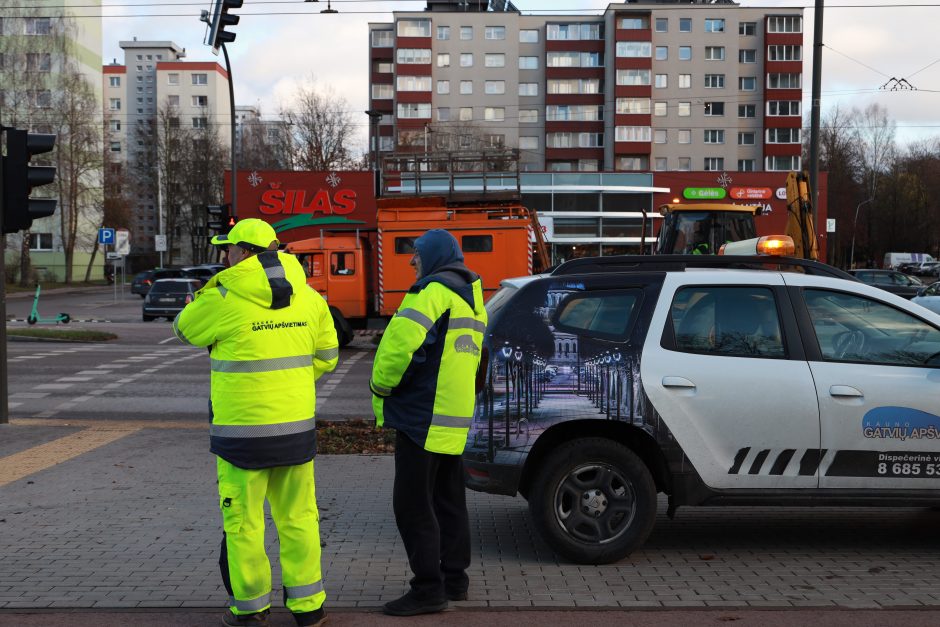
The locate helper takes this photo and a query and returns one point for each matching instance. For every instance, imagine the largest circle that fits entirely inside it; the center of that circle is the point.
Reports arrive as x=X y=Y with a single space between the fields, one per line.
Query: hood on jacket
x=268 y=279
x=437 y=248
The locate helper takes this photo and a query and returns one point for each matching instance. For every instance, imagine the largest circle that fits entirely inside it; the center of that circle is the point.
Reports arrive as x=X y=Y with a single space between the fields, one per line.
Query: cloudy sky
x=285 y=42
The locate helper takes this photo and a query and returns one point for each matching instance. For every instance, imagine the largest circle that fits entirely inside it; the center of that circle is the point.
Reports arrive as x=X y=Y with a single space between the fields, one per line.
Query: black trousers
x=431 y=513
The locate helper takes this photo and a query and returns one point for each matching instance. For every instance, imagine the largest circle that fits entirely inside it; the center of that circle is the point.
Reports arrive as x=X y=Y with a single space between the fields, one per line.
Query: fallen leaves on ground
x=353 y=437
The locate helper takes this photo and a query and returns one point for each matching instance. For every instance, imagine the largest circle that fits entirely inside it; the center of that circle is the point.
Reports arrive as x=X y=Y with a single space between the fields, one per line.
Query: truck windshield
x=703 y=232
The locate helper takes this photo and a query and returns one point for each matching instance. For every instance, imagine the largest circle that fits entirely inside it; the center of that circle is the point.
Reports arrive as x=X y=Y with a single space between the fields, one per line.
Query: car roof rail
x=677 y=263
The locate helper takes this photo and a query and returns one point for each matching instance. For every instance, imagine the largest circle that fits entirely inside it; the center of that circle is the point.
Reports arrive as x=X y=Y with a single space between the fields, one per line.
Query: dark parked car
x=167 y=297
x=203 y=272
x=144 y=280
x=891 y=281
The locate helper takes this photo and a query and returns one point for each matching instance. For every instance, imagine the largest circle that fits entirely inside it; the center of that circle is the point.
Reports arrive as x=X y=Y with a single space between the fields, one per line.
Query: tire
x=65 y=318
x=142 y=295
x=31 y=319
x=594 y=502
x=147 y=318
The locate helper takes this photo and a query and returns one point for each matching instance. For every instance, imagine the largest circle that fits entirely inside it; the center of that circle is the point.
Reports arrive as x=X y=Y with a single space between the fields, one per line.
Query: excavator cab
x=702 y=228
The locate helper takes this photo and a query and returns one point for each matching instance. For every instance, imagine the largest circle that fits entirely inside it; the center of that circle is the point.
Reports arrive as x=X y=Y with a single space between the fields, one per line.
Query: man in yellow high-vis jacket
x=423 y=385
x=271 y=337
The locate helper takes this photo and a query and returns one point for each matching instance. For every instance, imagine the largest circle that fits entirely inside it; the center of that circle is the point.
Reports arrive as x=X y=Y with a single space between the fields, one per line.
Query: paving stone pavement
x=135 y=524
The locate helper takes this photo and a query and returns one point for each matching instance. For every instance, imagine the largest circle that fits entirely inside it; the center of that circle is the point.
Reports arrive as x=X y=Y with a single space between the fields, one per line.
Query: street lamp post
x=854 y=223
x=374 y=117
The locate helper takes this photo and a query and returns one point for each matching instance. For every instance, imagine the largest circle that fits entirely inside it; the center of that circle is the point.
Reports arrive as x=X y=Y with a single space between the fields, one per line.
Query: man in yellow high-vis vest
x=423 y=385
x=271 y=337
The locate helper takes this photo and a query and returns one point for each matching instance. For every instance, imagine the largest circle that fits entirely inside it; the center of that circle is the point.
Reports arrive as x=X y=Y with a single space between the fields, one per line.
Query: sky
x=283 y=43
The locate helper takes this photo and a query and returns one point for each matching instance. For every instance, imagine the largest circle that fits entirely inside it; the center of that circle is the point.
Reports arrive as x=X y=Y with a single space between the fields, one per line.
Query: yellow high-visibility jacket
x=424 y=374
x=271 y=338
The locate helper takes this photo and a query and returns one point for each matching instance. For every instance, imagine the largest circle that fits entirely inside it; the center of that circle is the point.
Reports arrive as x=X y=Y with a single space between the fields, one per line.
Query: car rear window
x=172 y=287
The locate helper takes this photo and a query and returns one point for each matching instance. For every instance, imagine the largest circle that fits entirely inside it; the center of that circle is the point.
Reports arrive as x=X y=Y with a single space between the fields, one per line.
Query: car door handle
x=677 y=382
x=845 y=390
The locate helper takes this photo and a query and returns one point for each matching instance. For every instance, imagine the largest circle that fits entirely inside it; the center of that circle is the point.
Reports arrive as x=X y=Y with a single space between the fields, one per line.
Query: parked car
x=167 y=297
x=890 y=280
x=738 y=382
x=929 y=297
x=202 y=272
x=927 y=269
x=141 y=283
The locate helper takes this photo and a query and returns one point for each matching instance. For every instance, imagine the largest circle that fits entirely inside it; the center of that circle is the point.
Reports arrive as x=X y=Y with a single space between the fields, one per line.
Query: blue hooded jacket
x=442 y=262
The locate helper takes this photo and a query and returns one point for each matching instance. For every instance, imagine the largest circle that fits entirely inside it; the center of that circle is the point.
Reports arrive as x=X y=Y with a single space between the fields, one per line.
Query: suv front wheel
x=594 y=501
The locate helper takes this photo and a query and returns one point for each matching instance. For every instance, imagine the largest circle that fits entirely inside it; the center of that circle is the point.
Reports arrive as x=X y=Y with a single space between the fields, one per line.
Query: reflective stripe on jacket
x=271 y=337
x=425 y=367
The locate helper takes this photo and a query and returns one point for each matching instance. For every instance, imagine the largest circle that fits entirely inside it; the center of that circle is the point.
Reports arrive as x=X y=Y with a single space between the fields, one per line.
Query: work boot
x=311 y=619
x=411 y=605
x=456 y=595
x=258 y=619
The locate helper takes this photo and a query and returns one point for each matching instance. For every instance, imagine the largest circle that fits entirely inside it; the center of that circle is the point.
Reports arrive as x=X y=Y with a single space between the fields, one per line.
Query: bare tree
x=322 y=131
x=262 y=145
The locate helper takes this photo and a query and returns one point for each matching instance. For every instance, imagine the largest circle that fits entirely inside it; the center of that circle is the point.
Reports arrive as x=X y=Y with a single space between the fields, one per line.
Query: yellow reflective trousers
x=245 y=567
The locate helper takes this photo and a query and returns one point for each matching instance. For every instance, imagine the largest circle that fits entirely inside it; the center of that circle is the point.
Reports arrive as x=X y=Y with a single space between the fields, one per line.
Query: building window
x=590 y=31
x=494 y=87
x=633 y=163
x=528 y=36
x=747 y=83
x=528 y=89
x=200 y=101
x=714 y=25
x=414 y=28
x=660 y=136
x=782 y=163
x=746 y=138
x=662 y=80
x=172 y=79
x=747 y=29
x=443 y=59
x=115 y=146
x=466 y=33
x=791 y=52
x=114 y=125
x=714 y=81
x=684 y=109
x=200 y=122
x=747 y=165
x=466 y=114
x=494 y=114
x=466 y=59
x=640 y=106
x=574 y=59
x=576 y=113
x=38 y=26
x=492 y=59
x=685 y=24
x=575 y=140
x=714 y=109
x=588 y=85
x=384 y=67
x=414 y=110
x=528 y=63
x=747 y=56
x=685 y=164
x=114 y=104
x=659 y=109
x=383 y=92
x=443 y=32
x=783 y=136
x=684 y=136
x=200 y=79
x=747 y=111
x=466 y=87
x=494 y=33
x=383 y=38
x=529 y=143
x=413 y=83
x=173 y=122
x=635 y=23
x=685 y=53
x=714 y=136
x=443 y=87
x=784 y=81
x=40 y=241
x=784 y=108
x=634 y=49
x=528 y=115
x=714 y=53
x=633 y=133
x=662 y=164
x=114 y=81
x=443 y=114
x=685 y=81
x=662 y=25
x=38 y=62
x=414 y=56
x=714 y=164
x=662 y=53
x=495 y=141
x=785 y=24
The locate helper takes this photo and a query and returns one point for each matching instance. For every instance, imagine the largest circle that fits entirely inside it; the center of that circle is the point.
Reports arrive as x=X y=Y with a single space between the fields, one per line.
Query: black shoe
x=311 y=619
x=410 y=605
x=258 y=619
x=457 y=595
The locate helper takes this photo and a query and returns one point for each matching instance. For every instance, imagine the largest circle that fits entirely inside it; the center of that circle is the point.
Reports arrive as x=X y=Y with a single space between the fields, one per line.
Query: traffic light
x=19 y=179
x=220 y=19
x=218 y=218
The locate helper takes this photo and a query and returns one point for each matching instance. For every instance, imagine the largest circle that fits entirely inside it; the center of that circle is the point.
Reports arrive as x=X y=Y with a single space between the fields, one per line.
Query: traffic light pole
x=231 y=102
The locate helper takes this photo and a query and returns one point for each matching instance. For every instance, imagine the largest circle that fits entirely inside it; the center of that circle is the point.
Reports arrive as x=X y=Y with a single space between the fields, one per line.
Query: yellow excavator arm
x=801 y=223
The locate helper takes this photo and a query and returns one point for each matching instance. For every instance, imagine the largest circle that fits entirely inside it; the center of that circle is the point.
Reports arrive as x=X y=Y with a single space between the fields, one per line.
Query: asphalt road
x=144 y=374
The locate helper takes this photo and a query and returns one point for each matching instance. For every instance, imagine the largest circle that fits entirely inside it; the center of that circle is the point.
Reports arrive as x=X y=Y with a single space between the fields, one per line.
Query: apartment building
x=654 y=86
x=156 y=81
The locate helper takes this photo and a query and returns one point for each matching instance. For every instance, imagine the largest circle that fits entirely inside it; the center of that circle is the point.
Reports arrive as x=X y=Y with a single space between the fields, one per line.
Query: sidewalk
x=71 y=289
x=133 y=525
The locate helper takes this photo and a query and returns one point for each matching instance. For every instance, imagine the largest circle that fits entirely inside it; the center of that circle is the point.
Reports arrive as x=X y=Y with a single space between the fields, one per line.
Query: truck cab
x=701 y=228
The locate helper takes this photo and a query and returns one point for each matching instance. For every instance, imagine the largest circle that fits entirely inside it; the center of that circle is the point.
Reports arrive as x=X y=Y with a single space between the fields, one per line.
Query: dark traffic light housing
x=220 y=19
x=20 y=178
x=219 y=218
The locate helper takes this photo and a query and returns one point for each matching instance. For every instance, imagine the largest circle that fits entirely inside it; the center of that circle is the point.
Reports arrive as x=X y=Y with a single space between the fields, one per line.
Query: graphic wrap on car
x=900 y=423
x=539 y=376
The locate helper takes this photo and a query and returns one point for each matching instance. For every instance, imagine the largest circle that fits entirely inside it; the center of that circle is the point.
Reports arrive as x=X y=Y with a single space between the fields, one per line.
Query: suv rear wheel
x=595 y=501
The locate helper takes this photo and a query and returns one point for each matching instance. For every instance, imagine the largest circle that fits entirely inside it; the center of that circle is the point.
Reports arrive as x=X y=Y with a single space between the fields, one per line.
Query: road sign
x=106 y=236
x=114 y=256
x=122 y=242
x=830 y=225
x=159 y=243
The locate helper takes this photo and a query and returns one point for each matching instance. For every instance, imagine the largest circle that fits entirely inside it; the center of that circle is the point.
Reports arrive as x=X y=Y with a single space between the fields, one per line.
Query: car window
x=602 y=313
x=731 y=321
x=879 y=278
x=933 y=289
x=858 y=329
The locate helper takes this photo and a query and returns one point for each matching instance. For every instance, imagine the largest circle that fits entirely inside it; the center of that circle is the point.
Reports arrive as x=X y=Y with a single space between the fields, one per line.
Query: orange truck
x=364 y=275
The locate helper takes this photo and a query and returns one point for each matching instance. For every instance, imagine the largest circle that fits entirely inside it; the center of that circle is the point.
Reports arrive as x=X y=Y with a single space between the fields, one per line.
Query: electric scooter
x=34 y=316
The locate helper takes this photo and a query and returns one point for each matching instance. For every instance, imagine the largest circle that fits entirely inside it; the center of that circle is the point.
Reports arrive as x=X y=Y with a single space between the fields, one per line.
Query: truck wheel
x=344 y=332
x=595 y=502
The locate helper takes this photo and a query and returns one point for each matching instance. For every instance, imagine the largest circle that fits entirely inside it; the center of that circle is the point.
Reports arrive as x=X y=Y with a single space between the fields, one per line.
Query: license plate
x=166 y=300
